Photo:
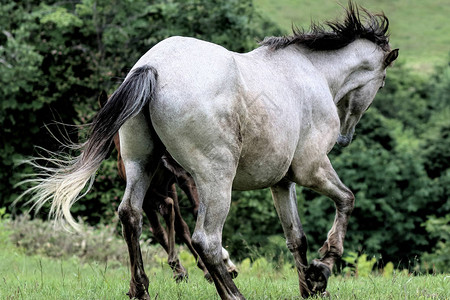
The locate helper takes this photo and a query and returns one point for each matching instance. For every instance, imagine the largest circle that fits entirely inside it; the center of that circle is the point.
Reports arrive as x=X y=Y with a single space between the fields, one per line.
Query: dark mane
x=339 y=34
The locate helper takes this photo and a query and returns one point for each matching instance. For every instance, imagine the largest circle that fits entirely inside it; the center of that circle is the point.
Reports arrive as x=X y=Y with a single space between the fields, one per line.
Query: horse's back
x=187 y=62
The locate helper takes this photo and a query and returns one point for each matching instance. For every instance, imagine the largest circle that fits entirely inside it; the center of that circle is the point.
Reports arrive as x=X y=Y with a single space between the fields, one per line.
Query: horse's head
x=369 y=79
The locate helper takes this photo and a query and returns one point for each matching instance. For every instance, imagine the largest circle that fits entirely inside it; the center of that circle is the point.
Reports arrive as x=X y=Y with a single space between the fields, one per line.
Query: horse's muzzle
x=344 y=140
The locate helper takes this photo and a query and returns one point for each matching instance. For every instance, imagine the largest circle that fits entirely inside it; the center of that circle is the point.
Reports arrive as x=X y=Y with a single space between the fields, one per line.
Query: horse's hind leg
x=186 y=183
x=140 y=159
x=130 y=214
x=286 y=205
x=215 y=197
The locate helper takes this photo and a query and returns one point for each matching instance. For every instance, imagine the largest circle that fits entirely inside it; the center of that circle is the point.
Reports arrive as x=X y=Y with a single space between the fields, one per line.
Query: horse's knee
x=164 y=204
x=199 y=241
x=346 y=203
x=169 y=203
x=127 y=213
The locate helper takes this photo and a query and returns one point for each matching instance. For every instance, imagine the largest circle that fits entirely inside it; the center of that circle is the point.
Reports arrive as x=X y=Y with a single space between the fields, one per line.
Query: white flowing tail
x=64 y=183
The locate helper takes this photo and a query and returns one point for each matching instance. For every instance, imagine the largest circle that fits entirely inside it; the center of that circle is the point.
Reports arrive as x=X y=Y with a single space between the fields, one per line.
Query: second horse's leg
x=182 y=231
x=167 y=210
x=160 y=234
x=286 y=205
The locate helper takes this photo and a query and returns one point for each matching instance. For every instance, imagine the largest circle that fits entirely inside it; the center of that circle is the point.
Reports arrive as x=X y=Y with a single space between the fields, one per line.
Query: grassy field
x=419 y=28
x=37 y=277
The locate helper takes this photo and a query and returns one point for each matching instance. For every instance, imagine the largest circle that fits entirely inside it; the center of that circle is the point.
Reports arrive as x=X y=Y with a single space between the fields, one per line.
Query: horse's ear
x=390 y=57
x=102 y=98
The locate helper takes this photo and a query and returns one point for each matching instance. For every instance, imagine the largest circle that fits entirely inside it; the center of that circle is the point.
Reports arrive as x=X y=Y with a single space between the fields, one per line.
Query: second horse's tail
x=64 y=183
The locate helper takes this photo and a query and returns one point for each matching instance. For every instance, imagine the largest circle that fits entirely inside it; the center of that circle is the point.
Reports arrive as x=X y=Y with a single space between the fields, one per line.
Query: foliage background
x=55 y=57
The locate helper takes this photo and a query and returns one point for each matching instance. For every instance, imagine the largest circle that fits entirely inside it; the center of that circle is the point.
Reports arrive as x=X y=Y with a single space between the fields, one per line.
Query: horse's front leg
x=285 y=202
x=325 y=180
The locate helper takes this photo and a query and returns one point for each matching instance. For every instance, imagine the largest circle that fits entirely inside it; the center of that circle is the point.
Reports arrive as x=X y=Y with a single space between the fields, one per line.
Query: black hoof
x=233 y=273
x=316 y=276
x=180 y=277
x=142 y=296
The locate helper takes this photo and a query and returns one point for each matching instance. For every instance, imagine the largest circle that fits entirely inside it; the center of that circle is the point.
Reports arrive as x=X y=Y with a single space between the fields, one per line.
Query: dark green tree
x=57 y=56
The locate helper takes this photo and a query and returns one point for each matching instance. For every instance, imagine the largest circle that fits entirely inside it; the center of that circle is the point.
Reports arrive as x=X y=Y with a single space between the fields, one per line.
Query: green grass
x=36 y=277
x=419 y=28
x=104 y=273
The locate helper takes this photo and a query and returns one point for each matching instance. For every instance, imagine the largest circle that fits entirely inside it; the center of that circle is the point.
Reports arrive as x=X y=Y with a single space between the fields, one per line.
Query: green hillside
x=419 y=28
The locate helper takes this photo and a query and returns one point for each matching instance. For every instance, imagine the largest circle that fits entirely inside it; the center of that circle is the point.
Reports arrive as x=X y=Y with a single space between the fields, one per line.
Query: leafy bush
x=358 y=265
x=439 y=259
x=252 y=219
x=100 y=244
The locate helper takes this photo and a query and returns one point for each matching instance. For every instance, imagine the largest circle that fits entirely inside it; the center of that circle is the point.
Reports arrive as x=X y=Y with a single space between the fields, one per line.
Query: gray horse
x=267 y=118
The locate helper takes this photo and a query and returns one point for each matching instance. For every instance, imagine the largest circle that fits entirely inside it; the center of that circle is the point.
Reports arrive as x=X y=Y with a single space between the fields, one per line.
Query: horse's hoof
x=233 y=273
x=316 y=276
x=180 y=277
x=144 y=296
x=138 y=291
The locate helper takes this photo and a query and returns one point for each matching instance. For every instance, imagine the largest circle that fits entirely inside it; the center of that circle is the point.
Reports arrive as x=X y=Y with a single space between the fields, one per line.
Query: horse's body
x=246 y=102
x=267 y=118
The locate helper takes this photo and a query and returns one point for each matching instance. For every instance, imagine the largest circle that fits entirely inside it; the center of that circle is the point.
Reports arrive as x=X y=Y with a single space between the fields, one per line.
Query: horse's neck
x=339 y=67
